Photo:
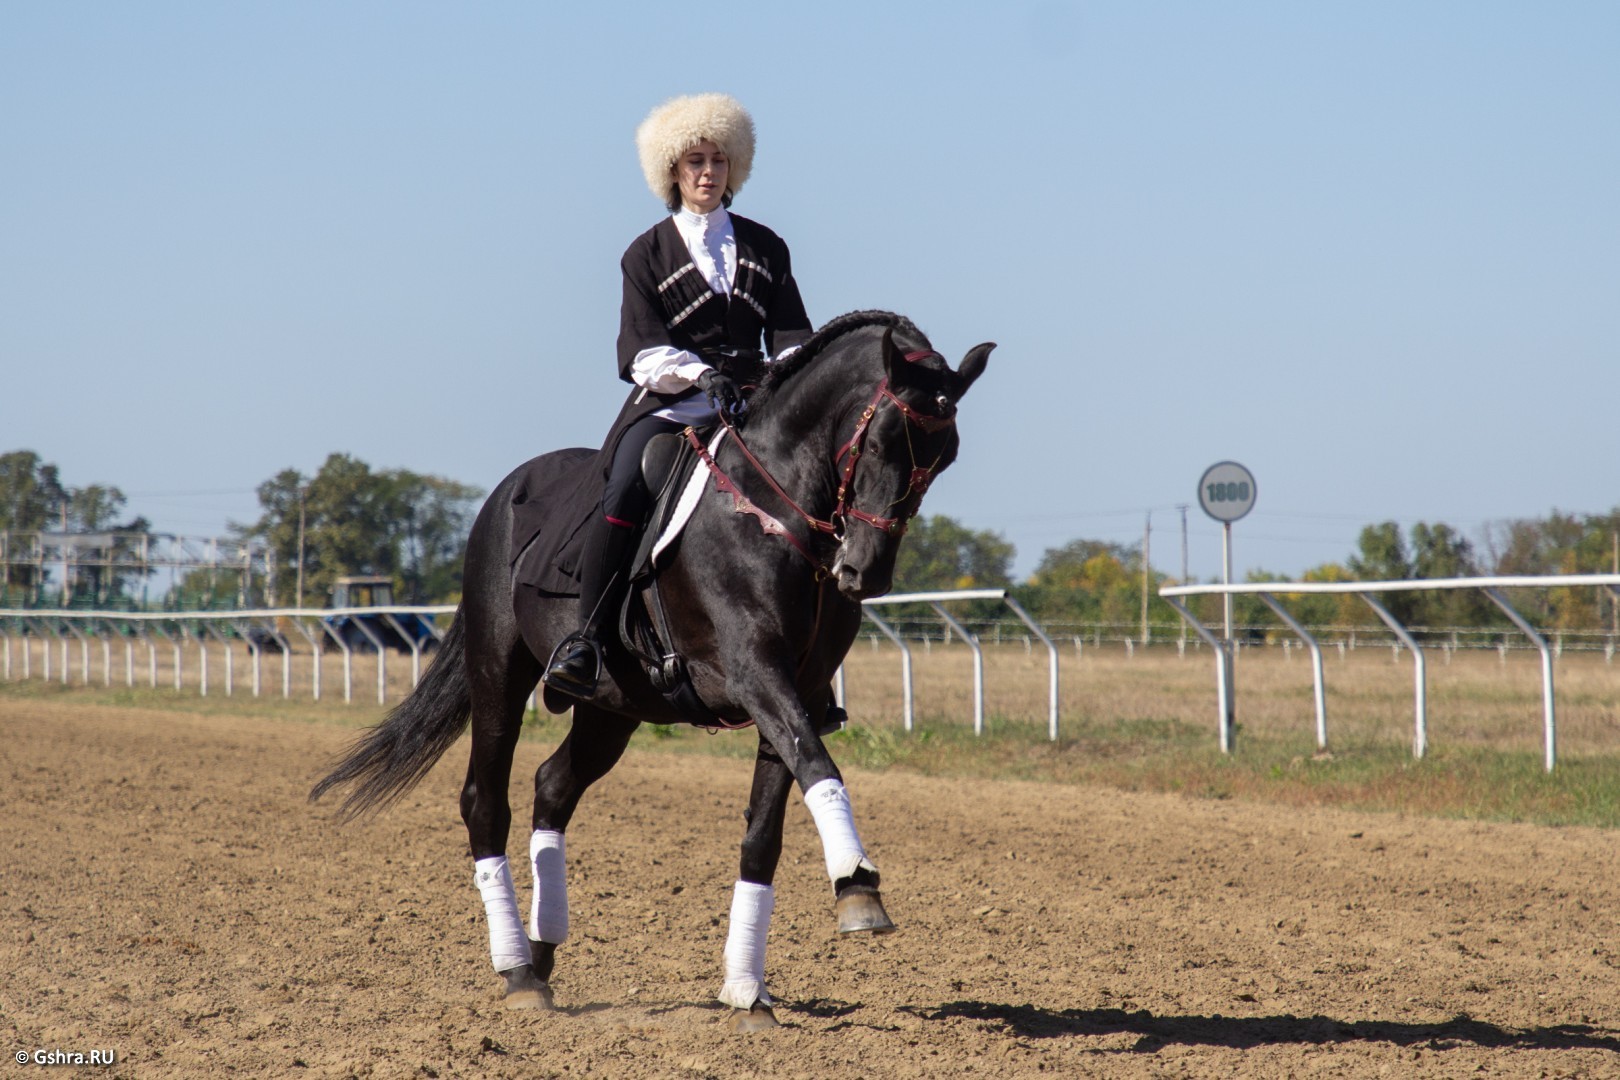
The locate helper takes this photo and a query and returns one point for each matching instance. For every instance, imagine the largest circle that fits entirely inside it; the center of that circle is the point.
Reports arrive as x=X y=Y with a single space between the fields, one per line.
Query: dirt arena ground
x=167 y=894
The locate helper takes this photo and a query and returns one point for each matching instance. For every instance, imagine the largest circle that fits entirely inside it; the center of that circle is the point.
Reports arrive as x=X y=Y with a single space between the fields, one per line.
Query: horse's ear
x=891 y=356
x=973 y=363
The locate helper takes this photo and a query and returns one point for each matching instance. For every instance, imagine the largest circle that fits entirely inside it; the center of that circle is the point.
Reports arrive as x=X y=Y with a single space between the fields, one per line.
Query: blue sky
x=1370 y=250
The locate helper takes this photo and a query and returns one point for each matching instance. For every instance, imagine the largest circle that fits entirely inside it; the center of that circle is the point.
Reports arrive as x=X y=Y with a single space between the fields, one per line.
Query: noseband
x=850 y=455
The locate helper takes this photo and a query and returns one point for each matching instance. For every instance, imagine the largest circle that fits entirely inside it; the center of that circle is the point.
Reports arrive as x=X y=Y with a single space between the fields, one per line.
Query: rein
x=850 y=454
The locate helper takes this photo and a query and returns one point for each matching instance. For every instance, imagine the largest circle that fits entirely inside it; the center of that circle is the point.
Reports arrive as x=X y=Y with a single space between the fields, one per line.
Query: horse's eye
x=944 y=403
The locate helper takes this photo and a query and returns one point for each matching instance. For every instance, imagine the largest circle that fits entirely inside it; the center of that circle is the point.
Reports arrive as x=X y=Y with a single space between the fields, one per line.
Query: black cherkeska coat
x=666 y=302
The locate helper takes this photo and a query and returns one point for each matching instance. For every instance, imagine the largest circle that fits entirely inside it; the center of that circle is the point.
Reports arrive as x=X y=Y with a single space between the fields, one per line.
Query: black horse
x=842 y=440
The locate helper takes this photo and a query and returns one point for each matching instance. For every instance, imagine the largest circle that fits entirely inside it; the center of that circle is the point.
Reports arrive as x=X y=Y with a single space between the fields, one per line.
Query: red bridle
x=850 y=453
x=921 y=477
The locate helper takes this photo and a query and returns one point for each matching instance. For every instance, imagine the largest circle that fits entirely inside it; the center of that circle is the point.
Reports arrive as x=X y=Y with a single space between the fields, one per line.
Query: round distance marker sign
x=1227 y=491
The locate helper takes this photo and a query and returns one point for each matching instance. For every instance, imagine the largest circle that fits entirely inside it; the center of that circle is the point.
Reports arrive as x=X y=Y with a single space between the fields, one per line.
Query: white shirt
x=711 y=240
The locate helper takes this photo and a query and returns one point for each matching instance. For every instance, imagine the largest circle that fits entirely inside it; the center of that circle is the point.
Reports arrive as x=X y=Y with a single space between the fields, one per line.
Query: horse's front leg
x=786 y=725
x=754 y=896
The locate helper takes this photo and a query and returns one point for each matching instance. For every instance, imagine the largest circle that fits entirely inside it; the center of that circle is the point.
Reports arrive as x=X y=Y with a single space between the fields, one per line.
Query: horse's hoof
x=860 y=910
x=758 y=1018
x=526 y=990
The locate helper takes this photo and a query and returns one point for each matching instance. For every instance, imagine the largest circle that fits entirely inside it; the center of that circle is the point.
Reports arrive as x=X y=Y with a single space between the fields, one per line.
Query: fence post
x=1316 y=665
x=1225 y=719
x=1549 y=724
x=411 y=643
x=1051 y=662
x=382 y=659
x=905 y=664
x=316 y=643
x=978 y=665
x=1420 y=732
x=210 y=630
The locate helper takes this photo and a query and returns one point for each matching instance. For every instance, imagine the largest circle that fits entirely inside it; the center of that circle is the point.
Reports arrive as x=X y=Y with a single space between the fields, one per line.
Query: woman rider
x=702 y=289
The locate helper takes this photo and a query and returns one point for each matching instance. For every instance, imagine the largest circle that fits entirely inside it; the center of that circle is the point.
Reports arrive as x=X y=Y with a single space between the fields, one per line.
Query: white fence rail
x=197 y=632
x=179 y=632
x=937 y=601
x=1369 y=591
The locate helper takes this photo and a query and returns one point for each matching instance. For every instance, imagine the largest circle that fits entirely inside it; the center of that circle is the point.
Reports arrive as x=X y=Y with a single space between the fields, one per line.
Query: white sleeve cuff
x=665 y=369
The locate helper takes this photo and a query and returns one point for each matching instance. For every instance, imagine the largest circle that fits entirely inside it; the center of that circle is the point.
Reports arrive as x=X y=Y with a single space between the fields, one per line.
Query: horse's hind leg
x=500 y=687
x=595 y=742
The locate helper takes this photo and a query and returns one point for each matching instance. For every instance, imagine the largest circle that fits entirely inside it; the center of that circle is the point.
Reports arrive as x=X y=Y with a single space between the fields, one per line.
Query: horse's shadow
x=1244 y=1032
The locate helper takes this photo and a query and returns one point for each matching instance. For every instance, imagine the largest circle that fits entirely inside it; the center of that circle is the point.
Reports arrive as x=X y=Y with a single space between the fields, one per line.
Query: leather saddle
x=667 y=464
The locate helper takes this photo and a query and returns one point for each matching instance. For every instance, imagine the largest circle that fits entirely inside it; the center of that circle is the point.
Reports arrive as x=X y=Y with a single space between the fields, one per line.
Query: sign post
x=1227 y=492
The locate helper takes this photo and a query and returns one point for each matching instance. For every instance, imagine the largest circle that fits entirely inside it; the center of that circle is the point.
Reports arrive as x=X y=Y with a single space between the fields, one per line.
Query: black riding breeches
x=625 y=499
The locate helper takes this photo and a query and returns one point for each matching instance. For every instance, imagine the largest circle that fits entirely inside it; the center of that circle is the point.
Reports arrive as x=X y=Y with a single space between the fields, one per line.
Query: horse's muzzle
x=856 y=583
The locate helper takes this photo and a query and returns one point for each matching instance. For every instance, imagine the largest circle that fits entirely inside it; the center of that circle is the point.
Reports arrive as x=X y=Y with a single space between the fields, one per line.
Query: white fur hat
x=681 y=123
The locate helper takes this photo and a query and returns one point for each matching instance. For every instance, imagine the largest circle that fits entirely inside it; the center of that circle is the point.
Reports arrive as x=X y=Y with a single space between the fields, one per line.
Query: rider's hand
x=722 y=392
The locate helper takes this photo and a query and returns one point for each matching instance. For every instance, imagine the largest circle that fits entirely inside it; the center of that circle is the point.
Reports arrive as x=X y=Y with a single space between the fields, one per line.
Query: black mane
x=779 y=373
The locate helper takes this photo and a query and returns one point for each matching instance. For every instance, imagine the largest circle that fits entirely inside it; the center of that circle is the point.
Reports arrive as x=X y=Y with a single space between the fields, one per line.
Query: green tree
x=1539 y=546
x=1071 y=581
x=1329 y=609
x=1095 y=581
x=434 y=516
x=1439 y=551
x=940 y=553
x=31 y=492
x=357 y=521
x=33 y=499
x=31 y=495
x=1533 y=545
x=210 y=589
x=1381 y=556
x=1597 y=552
x=1559 y=544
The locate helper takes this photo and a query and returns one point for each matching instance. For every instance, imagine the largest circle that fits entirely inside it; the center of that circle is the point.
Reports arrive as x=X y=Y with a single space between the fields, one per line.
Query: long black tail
x=391 y=758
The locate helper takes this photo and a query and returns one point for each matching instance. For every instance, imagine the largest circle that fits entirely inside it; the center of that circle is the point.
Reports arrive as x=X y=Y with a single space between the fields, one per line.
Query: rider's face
x=702 y=173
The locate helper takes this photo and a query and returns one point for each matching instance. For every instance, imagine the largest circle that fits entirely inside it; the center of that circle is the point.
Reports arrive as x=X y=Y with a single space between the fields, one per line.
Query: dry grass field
x=1475 y=697
x=1138 y=719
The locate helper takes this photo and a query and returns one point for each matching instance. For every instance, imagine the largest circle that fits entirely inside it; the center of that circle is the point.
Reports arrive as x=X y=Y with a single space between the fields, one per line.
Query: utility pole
x=300 y=601
x=1147 y=575
x=1183 y=508
x=65 y=555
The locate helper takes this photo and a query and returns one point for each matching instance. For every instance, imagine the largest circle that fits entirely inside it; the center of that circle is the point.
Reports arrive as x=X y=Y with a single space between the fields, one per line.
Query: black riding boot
x=577 y=662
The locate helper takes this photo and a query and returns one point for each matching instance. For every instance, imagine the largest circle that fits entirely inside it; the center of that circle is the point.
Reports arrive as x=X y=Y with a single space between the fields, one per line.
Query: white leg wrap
x=829 y=806
x=548 y=914
x=751 y=907
x=508 y=945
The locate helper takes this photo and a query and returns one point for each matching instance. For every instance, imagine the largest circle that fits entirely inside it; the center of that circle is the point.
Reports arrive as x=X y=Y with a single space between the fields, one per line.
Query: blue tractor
x=403 y=631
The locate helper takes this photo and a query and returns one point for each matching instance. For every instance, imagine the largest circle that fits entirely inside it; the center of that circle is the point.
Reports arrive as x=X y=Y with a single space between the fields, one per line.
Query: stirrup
x=561 y=675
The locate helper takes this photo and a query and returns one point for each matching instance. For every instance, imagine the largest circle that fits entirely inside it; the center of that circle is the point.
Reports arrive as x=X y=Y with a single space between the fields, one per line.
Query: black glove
x=722 y=392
